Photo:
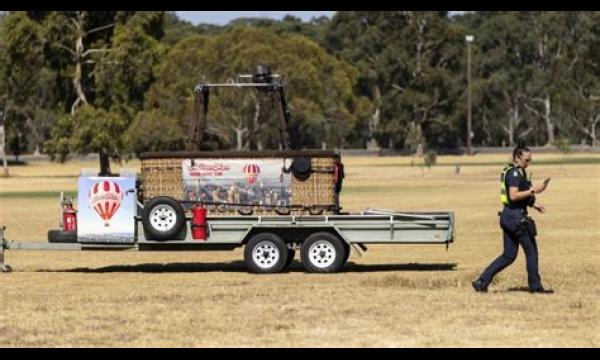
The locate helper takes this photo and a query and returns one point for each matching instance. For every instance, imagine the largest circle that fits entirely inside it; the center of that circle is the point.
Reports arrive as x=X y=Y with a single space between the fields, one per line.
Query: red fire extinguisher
x=69 y=217
x=199 y=222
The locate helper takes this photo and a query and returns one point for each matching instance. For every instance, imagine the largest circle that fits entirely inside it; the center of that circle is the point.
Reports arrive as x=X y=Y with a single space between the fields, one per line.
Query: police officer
x=517 y=193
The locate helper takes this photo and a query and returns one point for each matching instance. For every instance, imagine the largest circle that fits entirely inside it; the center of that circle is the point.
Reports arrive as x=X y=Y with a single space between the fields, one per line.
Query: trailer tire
x=59 y=236
x=266 y=253
x=162 y=218
x=323 y=252
x=346 y=254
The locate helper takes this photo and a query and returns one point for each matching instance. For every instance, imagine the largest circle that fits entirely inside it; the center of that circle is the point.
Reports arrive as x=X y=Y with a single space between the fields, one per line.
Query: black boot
x=479 y=285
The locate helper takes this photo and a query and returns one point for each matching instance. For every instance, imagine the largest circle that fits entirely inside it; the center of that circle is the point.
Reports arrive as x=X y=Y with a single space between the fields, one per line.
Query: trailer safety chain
x=3 y=246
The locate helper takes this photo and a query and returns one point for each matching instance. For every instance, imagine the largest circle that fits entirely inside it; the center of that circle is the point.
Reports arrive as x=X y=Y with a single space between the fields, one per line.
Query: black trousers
x=515 y=233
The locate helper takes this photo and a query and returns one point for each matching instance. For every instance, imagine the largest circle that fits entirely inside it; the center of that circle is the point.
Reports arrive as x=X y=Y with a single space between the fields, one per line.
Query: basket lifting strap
x=197 y=121
x=287 y=140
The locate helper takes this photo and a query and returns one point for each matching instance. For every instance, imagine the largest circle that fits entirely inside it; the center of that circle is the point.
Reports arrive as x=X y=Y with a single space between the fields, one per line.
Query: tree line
x=119 y=83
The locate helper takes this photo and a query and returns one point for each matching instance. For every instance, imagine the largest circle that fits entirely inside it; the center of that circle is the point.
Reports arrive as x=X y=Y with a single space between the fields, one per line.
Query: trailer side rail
x=405 y=228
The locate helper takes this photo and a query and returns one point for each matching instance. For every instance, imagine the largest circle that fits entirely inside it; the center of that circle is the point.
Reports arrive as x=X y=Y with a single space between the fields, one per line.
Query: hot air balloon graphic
x=251 y=171
x=105 y=197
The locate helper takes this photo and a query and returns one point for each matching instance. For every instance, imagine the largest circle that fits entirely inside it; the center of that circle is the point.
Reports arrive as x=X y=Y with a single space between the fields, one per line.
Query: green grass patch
x=36 y=194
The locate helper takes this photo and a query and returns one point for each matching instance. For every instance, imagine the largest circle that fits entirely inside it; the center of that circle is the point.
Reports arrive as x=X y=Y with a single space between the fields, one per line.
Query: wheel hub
x=163 y=217
x=322 y=254
x=265 y=255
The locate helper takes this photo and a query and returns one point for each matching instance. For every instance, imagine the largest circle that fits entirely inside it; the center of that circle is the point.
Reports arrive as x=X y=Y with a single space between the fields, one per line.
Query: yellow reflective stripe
x=503 y=196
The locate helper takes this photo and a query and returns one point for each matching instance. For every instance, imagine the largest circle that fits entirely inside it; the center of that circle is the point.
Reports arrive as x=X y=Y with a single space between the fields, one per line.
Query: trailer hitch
x=3 y=246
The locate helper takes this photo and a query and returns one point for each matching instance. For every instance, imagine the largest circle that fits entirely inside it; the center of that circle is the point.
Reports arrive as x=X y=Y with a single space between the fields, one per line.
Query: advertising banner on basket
x=237 y=181
x=106 y=210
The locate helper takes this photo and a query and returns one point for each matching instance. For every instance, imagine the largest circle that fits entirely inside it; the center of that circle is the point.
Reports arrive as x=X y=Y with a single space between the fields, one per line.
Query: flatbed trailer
x=325 y=241
x=158 y=219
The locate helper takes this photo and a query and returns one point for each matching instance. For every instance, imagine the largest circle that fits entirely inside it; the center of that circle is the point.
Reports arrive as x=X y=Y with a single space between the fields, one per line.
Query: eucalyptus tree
x=110 y=75
x=410 y=67
x=319 y=89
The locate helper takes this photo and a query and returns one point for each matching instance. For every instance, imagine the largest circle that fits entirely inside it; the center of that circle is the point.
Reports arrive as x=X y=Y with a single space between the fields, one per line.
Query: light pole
x=469 y=39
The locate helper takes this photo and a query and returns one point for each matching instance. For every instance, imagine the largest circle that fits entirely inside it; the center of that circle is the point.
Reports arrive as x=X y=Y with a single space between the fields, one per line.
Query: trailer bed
x=393 y=228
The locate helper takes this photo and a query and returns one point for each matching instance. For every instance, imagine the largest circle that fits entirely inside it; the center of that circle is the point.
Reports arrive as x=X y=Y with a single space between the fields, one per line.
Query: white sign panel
x=106 y=210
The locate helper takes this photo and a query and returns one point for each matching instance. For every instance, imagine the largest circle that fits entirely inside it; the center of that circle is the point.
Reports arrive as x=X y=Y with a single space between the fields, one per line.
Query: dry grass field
x=394 y=296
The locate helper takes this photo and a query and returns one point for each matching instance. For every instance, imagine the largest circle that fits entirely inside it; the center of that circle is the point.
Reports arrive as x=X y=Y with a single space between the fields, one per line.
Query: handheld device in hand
x=546 y=182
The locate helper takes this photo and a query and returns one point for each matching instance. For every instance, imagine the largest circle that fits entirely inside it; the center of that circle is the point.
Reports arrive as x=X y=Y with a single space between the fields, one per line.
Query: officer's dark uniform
x=517 y=229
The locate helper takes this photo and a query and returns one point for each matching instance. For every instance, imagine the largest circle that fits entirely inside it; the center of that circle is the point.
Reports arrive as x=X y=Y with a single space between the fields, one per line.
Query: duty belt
x=521 y=210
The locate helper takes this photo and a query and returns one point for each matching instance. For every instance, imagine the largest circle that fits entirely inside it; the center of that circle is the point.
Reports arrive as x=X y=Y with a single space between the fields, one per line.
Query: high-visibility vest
x=504 y=199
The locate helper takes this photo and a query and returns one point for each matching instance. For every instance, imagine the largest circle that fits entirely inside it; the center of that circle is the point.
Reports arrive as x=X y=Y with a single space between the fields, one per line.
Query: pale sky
x=223 y=17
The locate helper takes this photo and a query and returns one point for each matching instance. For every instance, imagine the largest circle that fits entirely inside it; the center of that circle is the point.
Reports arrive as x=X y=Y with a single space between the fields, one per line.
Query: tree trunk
x=104 y=163
x=421 y=23
x=595 y=120
x=78 y=64
x=35 y=134
x=239 y=136
x=513 y=103
x=512 y=124
x=257 y=125
x=487 y=130
x=4 y=164
x=17 y=149
x=516 y=121
x=548 y=119
x=375 y=118
x=3 y=150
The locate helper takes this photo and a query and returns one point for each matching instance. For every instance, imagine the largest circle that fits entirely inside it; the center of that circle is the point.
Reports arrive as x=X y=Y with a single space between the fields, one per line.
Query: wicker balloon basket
x=313 y=191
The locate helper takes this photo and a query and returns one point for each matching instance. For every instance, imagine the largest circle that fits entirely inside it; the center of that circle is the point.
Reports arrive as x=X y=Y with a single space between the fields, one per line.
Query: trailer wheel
x=162 y=218
x=323 y=252
x=59 y=236
x=266 y=253
x=346 y=253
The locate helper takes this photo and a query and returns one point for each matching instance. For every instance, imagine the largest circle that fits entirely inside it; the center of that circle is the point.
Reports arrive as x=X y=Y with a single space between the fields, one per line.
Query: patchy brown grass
x=394 y=296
